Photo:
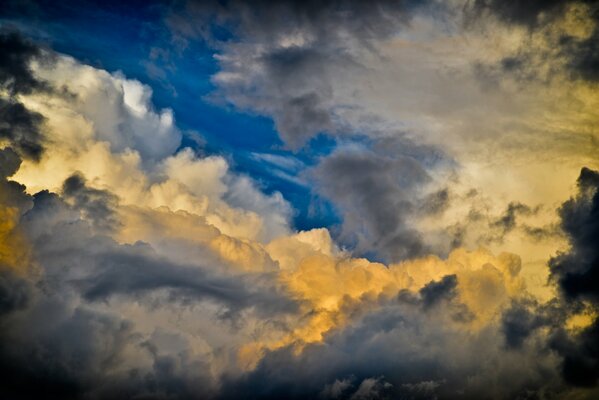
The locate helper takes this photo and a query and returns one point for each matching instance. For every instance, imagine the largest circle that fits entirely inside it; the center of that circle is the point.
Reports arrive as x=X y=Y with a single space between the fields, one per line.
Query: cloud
x=131 y=267
x=59 y=313
x=519 y=322
x=109 y=133
x=14 y=254
x=97 y=205
x=70 y=291
x=575 y=271
x=283 y=69
x=380 y=198
x=15 y=292
x=577 y=41
x=63 y=236
x=20 y=126
x=403 y=75
x=408 y=347
x=435 y=292
x=102 y=310
x=16 y=75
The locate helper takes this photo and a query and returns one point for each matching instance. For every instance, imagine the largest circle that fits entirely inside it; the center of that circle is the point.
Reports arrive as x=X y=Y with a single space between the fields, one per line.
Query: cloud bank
x=134 y=266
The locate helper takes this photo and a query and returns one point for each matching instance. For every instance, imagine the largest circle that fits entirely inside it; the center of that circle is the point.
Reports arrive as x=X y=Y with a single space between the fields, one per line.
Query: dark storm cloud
x=9 y=162
x=502 y=225
x=577 y=274
x=580 y=353
x=132 y=272
x=20 y=126
x=495 y=228
x=436 y=203
x=268 y=19
x=582 y=54
x=394 y=342
x=577 y=271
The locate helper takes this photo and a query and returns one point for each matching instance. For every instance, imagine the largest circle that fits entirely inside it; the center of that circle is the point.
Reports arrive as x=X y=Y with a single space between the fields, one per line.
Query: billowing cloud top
x=299 y=200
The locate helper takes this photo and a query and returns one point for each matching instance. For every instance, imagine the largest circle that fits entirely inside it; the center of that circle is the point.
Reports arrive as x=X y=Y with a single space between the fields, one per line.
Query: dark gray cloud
x=526 y=13
x=499 y=227
x=378 y=191
x=12 y=194
x=582 y=54
x=577 y=275
x=9 y=162
x=482 y=227
x=519 y=322
x=133 y=271
x=96 y=205
x=436 y=203
x=577 y=270
x=373 y=194
x=19 y=125
x=15 y=292
x=434 y=292
x=15 y=73
x=56 y=351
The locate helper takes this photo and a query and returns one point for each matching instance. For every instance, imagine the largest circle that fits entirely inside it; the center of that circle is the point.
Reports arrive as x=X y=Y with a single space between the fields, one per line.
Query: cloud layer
x=463 y=171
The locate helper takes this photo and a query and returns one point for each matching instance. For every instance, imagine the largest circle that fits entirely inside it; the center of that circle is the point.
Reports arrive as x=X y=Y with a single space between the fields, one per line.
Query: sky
x=333 y=199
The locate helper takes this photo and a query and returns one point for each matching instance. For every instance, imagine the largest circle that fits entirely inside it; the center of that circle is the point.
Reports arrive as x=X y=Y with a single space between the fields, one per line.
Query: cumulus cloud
x=110 y=134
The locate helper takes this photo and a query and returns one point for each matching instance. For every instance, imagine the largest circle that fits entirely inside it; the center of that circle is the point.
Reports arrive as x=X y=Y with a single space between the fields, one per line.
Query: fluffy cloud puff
x=105 y=128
